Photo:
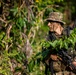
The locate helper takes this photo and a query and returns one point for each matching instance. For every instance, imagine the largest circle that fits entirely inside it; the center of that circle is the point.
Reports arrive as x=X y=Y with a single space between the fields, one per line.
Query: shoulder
x=51 y=36
x=67 y=31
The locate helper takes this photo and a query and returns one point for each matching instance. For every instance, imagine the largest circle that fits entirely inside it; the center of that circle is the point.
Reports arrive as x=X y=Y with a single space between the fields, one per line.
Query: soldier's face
x=55 y=27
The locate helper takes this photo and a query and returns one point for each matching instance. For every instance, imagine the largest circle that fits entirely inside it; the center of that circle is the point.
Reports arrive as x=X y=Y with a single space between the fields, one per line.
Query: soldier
x=52 y=61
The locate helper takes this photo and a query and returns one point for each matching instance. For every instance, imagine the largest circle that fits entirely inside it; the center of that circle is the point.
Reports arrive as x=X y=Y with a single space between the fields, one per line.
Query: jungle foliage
x=23 y=31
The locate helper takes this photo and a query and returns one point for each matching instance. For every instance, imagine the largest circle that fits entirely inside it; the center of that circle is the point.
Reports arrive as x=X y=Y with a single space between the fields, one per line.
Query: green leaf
x=54 y=44
x=31 y=66
x=61 y=43
x=65 y=45
x=15 y=11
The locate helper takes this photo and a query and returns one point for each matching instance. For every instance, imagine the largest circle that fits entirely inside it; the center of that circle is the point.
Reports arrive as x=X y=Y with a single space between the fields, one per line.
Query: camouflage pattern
x=65 y=73
x=59 y=67
x=56 y=16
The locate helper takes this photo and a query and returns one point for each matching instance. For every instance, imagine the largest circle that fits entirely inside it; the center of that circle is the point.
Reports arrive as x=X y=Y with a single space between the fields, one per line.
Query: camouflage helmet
x=56 y=17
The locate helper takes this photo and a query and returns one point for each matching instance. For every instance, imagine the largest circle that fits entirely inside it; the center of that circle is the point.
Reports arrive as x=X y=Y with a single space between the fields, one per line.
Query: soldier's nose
x=49 y=23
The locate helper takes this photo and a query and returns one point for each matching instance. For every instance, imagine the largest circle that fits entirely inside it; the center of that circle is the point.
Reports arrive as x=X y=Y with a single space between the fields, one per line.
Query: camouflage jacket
x=58 y=65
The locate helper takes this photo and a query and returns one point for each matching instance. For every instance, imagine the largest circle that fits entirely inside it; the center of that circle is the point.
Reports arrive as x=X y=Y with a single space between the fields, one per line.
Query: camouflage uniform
x=59 y=68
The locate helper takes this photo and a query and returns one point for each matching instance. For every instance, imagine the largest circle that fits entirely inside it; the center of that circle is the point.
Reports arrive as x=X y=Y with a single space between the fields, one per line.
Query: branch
x=3 y=20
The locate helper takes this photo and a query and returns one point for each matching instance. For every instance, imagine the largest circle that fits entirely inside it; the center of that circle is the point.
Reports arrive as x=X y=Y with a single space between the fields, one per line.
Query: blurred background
x=23 y=30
